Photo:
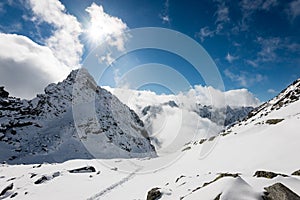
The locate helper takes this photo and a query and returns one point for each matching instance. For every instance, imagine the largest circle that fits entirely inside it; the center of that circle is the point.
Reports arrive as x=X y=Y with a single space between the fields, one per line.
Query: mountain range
x=151 y=148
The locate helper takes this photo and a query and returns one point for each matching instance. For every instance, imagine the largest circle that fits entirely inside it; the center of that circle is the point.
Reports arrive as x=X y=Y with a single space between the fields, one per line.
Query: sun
x=94 y=34
x=102 y=26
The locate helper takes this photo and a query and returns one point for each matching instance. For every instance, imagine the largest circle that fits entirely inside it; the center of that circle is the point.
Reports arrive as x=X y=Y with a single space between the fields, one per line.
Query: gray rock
x=41 y=180
x=278 y=191
x=296 y=173
x=266 y=174
x=3 y=93
x=87 y=169
x=10 y=187
x=154 y=194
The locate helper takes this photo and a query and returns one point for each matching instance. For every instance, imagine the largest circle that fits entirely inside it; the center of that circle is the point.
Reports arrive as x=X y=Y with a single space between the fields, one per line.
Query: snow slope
x=238 y=165
x=59 y=125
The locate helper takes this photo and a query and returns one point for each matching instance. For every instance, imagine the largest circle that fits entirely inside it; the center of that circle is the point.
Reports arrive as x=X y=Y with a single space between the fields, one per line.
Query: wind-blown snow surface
x=268 y=140
x=58 y=125
x=173 y=120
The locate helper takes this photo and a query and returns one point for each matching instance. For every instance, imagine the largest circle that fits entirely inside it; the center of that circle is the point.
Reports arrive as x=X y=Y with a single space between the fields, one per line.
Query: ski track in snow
x=115 y=185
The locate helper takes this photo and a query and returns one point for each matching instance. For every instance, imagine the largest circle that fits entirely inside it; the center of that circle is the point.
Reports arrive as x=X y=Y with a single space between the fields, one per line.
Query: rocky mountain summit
x=45 y=129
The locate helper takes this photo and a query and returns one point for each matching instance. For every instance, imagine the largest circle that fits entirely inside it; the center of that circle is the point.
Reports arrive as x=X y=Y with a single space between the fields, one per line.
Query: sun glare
x=94 y=34
x=103 y=26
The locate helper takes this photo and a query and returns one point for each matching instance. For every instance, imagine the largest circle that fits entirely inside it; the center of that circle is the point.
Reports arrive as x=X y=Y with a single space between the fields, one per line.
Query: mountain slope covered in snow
x=255 y=159
x=45 y=128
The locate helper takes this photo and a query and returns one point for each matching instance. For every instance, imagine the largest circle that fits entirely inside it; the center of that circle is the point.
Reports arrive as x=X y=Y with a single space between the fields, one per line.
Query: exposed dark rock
x=221 y=175
x=266 y=174
x=274 y=121
x=37 y=166
x=278 y=191
x=3 y=93
x=154 y=194
x=87 y=169
x=145 y=110
x=11 y=179
x=41 y=180
x=9 y=187
x=182 y=176
x=12 y=157
x=55 y=174
x=171 y=104
x=33 y=175
x=296 y=173
x=186 y=148
x=218 y=197
x=13 y=195
x=202 y=141
x=212 y=138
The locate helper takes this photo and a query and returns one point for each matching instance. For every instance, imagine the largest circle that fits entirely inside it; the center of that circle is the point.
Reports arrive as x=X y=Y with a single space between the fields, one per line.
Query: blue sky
x=255 y=44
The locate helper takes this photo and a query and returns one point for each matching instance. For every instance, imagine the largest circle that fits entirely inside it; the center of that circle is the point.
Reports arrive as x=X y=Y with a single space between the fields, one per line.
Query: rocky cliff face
x=72 y=119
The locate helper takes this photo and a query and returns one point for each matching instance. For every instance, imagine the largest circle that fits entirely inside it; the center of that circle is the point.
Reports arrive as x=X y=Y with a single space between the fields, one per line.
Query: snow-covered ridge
x=43 y=129
x=286 y=97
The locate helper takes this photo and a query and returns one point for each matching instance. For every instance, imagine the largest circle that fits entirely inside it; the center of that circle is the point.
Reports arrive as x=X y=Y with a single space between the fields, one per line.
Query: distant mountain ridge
x=43 y=129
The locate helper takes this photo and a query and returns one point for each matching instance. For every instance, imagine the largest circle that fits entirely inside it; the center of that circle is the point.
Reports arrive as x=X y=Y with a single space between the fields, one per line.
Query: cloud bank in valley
x=205 y=95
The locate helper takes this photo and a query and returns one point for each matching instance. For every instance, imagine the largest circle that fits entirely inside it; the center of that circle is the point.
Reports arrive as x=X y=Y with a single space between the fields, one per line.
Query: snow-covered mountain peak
x=50 y=128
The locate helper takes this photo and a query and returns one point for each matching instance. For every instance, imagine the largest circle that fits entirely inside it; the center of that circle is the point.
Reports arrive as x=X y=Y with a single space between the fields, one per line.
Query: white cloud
x=204 y=33
x=252 y=63
x=222 y=13
x=249 y=7
x=267 y=5
x=294 y=9
x=268 y=48
x=272 y=91
x=233 y=77
x=2 y=10
x=222 y=17
x=205 y=95
x=165 y=19
x=64 y=42
x=165 y=13
x=26 y=67
x=11 y=28
x=105 y=28
x=175 y=126
x=254 y=5
x=107 y=59
x=244 y=79
x=293 y=46
x=241 y=97
x=211 y=96
x=231 y=58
